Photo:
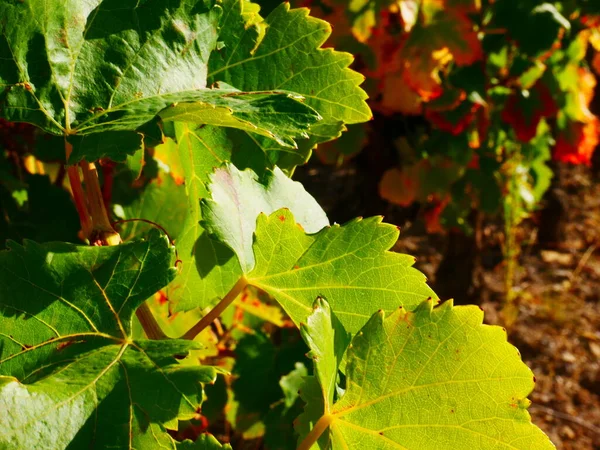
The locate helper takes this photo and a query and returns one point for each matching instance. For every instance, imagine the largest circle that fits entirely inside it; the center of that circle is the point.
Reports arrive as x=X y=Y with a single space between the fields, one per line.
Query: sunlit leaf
x=417 y=378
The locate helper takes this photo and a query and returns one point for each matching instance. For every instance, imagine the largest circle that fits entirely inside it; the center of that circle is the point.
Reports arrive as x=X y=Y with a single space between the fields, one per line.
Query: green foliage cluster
x=190 y=116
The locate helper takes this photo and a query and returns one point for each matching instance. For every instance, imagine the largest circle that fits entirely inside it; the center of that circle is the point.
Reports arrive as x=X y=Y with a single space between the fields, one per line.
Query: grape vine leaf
x=161 y=200
x=328 y=340
x=70 y=373
x=290 y=383
x=204 y=279
x=534 y=26
x=84 y=69
x=350 y=265
x=196 y=152
x=204 y=442
x=279 y=422
x=46 y=213
x=237 y=198
x=283 y=52
x=433 y=378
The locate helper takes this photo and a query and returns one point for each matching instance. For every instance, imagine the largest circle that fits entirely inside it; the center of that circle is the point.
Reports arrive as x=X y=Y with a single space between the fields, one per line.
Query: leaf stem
x=78 y=194
x=100 y=222
x=312 y=437
x=217 y=310
x=149 y=323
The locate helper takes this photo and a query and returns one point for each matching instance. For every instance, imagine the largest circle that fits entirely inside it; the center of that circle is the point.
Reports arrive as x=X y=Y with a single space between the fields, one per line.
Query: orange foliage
x=577 y=143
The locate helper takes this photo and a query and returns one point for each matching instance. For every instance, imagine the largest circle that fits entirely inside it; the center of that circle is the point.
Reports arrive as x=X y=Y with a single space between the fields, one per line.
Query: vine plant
x=192 y=114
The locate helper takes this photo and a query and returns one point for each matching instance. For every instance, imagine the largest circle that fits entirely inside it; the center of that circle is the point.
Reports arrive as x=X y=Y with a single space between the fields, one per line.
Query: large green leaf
x=435 y=378
x=70 y=374
x=209 y=276
x=209 y=267
x=283 y=52
x=111 y=66
x=350 y=265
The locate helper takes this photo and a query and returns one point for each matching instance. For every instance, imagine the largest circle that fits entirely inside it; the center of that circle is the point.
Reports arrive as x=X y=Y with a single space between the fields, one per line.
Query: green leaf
x=204 y=442
x=534 y=26
x=350 y=265
x=244 y=196
x=328 y=340
x=283 y=52
x=434 y=378
x=277 y=115
x=237 y=198
x=260 y=365
x=99 y=67
x=290 y=383
x=46 y=212
x=290 y=41
x=161 y=201
x=210 y=276
x=70 y=374
x=314 y=408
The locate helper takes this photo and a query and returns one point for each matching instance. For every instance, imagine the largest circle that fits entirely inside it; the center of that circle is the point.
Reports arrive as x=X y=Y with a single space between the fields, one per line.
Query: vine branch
x=312 y=437
x=149 y=323
x=101 y=223
x=217 y=310
x=78 y=194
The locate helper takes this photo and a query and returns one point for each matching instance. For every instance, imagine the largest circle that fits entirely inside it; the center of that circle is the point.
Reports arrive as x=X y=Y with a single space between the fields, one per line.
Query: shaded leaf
x=74 y=370
x=204 y=442
x=290 y=383
x=47 y=212
x=161 y=200
x=210 y=275
x=82 y=71
x=244 y=196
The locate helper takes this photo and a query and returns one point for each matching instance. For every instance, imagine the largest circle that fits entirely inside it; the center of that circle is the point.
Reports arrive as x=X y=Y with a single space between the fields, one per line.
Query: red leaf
x=577 y=143
x=455 y=121
x=525 y=113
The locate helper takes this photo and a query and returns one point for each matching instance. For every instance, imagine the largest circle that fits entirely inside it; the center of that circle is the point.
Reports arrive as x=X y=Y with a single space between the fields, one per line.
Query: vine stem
x=78 y=195
x=217 y=310
x=100 y=220
x=149 y=323
x=312 y=437
x=94 y=218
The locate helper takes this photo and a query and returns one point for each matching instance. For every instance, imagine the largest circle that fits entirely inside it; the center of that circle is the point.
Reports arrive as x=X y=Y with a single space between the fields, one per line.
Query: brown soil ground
x=557 y=306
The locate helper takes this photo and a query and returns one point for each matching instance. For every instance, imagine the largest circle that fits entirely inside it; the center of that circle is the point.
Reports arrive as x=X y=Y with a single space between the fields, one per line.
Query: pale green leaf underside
x=238 y=197
x=70 y=374
x=350 y=265
x=435 y=378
